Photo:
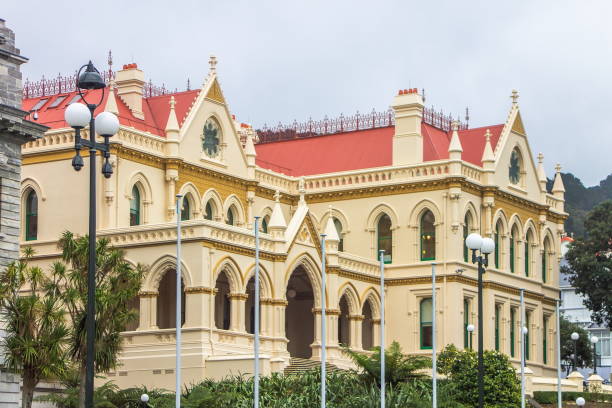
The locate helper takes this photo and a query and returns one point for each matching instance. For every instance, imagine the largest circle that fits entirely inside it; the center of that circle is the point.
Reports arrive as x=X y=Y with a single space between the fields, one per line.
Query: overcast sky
x=286 y=60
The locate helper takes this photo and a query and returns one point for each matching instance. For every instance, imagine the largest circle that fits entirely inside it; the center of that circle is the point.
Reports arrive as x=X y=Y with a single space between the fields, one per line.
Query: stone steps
x=301 y=365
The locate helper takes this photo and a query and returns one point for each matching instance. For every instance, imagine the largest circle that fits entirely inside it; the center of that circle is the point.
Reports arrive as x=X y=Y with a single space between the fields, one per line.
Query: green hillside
x=580 y=199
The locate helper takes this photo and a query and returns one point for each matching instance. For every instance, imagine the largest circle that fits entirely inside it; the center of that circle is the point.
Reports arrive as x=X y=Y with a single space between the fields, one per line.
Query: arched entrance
x=299 y=319
x=222 y=302
x=344 y=324
x=367 y=328
x=249 y=312
x=166 y=302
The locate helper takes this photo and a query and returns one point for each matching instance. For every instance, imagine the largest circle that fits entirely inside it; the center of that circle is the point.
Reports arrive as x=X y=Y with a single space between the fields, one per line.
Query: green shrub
x=502 y=388
x=550 y=397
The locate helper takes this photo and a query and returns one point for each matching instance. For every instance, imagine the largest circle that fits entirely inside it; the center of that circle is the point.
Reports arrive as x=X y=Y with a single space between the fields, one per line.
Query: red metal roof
x=155 y=109
x=364 y=149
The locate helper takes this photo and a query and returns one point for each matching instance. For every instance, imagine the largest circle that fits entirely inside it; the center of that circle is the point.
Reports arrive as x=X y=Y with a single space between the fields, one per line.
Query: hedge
x=550 y=397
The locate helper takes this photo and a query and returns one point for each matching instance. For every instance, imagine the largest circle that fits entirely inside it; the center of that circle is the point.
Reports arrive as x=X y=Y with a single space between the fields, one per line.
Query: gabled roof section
x=214 y=92
x=364 y=149
x=155 y=109
x=517 y=125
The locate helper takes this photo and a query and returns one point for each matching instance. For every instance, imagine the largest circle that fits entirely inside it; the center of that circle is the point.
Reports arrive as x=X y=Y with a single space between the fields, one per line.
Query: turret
x=488 y=159
x=172 y=131
x=455 y=150
x=558 y=189
x=277 y=225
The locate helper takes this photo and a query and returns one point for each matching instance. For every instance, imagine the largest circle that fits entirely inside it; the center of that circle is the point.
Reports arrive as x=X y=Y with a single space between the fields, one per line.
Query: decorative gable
x=517 y=126
x=214 y=93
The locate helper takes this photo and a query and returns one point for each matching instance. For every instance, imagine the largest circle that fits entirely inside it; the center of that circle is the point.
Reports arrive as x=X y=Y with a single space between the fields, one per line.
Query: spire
x=558 y=186
x=330 y=230
x=277 y=220
x=487 y=155
x=111 y=102
x=212 y=61
x=172 y=125
x=541 y=171
x=455 y=143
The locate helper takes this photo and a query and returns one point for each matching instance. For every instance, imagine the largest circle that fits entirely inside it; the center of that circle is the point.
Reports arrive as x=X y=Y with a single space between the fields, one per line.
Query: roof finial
x=540 y=158
x=558 y=168
x=172 y=102
x=188 y=85
x=467 y=116
x=488 y=136
x=423 y=94
x=213 y=63
x=514 y=96
x=454 y=125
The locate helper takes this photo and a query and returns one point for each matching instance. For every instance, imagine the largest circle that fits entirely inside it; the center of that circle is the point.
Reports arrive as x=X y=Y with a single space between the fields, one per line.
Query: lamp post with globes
x=575 y=336
x=78 y=116
x=486 y=246
x=470 y=329
x=144 y=398
x=594 y=340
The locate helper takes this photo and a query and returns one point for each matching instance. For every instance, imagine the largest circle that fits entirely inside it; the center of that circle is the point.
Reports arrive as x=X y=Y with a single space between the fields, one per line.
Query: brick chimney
x=130 y=87
x=407 y=140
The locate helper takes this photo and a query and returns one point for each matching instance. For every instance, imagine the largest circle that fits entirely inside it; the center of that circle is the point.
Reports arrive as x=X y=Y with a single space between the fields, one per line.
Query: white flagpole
x=383 y=387
x=522 y=348
x=434 y=368
x=323 y=324
x=559 y=403
x=256 y=379
x=178 y=302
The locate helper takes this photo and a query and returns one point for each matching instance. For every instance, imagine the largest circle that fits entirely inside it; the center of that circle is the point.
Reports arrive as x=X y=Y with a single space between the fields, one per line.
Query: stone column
x=148 y=310
x=356 y=324
x=577 y=379
x=171 y=178
x=197 y=300
x=237 y=319
x=375 y=332
x=250 y=201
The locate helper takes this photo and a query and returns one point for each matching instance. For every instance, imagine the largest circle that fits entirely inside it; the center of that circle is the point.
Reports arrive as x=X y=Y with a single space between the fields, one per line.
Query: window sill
x=517 y=188
x=204 y=158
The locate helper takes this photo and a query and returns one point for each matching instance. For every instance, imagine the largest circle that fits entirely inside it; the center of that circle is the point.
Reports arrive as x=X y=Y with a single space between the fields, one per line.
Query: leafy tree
x=398 y=367
x=117 y=282
x=584 y=355
x=36 y=332
x=590 y=263
x=501 y=386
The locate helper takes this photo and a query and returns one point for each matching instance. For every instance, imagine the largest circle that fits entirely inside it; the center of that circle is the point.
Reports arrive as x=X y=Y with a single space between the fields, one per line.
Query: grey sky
x=285 y=60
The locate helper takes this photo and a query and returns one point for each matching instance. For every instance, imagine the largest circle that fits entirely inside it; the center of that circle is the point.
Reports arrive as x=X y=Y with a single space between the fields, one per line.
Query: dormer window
x=57 y=101
x=39 y=104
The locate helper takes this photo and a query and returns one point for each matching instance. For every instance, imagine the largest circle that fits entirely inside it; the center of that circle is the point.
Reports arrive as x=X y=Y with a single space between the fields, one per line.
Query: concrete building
x=15 y=130
x=573 y=309
x=408 y=180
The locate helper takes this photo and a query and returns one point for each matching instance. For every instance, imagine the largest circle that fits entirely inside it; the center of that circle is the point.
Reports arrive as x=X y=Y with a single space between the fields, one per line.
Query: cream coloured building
x=409 y=181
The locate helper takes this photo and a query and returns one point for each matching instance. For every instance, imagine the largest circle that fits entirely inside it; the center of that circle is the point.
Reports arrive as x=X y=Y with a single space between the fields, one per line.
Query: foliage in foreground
x=344 y=390
x=36 y=331
x=501 y=386
x=550 y=397
x=399 y=367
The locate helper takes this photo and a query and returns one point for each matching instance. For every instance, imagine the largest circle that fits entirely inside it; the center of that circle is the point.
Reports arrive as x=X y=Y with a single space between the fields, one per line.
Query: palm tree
x=117 y=283
x=36 y=332
x=398 y=366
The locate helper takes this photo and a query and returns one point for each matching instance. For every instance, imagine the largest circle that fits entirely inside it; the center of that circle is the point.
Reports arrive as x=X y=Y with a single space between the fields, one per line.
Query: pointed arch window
x=186 y=210
x=135 y=207
x=385 y=237
x=545 y=260
x=426 y=324
x=231 y=216
x=513 y=236
x=264 y=224
x=467 y=225
x=338 y=226
x=496 y=237
x=208 y=211
x=428 y=236
x=528 y=242
x=31 y=227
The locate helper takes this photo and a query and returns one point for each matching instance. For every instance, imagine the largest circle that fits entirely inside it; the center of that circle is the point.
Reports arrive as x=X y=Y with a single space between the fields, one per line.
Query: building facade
x=15 y=130
x=409 y=181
